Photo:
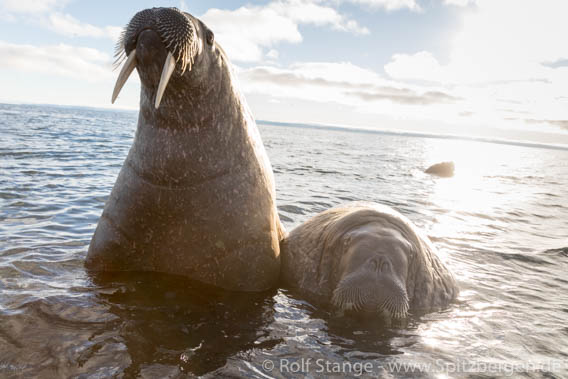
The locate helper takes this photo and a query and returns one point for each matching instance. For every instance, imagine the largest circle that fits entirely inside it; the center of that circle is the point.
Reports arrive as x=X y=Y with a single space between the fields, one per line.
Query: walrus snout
x=150 y=56
x=176 y=29
x=372 y=288
x=176 y=32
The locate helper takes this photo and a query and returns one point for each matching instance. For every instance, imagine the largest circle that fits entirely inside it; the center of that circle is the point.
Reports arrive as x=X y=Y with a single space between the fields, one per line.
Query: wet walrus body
x=195 y=196
x=366 y=257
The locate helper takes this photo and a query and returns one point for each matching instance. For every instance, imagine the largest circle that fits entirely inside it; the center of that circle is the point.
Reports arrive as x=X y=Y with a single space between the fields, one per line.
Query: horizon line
x=352 y=129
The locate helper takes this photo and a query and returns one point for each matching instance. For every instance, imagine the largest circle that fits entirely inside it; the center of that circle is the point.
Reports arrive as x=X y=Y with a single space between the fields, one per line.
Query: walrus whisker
x=119 y=53
x=124 y=74
x=182 y=42
x=394 y=306
x=397 y=307
x=169 y=67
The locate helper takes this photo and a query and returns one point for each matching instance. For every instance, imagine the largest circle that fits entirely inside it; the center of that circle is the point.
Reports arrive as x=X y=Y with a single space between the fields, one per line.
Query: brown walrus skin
x=195 y=196
x=366 y=257
x=443 y=169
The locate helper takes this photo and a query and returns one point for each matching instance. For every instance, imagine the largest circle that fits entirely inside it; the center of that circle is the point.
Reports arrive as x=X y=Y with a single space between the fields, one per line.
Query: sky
x=489 y=68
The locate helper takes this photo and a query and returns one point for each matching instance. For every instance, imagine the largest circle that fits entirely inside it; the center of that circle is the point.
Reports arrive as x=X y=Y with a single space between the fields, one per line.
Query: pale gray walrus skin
x=366 y=258
x=195 y=196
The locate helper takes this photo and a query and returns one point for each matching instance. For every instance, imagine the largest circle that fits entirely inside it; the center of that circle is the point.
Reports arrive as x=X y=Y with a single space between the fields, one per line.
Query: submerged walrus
x=195 y=196
x=366 y=257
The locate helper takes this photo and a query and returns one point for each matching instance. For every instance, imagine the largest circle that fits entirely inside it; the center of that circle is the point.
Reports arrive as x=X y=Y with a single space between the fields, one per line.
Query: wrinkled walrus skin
x=366 y=257
x=195 y=196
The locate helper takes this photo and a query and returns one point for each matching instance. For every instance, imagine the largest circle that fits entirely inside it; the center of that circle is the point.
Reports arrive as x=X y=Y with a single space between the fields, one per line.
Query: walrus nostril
x=374 y=264
x=385 y=266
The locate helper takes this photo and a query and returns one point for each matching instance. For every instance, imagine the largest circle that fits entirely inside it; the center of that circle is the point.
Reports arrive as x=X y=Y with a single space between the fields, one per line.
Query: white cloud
x=272 y=54
x=338 y=72
x=389 y=5
x=248 y=30
x=503 y=54
x=420 y=66
x=47 y=13
x=30 y=6
x=245 y=31
x=459 y=3
x=496 y=44
x=306 y=12
x=342 y=83
x=62 y=60
x=66 y=24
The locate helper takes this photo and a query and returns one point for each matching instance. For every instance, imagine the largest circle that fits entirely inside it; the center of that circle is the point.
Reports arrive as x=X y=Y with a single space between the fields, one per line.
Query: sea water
x=500 y=224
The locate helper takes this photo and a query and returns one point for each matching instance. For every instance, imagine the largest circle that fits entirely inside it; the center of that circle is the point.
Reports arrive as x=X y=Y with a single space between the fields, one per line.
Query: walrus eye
x=210 y=37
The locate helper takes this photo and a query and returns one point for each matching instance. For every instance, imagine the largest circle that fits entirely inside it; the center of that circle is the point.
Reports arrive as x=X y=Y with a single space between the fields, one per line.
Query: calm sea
x=501 y=223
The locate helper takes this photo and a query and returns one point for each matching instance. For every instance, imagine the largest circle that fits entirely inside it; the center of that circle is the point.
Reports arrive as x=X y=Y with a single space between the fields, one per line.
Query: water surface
x=501 y=224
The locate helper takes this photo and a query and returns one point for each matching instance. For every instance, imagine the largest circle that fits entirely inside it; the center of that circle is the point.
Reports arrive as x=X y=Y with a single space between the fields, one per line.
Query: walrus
x=366 y=258
x=195 y=195
x=443 y=169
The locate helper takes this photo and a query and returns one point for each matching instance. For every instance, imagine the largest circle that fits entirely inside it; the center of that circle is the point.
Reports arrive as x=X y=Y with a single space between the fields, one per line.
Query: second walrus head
x=372 y=272
x=366 y=258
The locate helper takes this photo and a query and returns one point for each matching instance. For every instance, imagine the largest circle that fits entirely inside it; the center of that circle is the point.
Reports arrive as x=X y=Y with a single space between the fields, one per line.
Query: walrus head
x=372 y=274
x=165 y=42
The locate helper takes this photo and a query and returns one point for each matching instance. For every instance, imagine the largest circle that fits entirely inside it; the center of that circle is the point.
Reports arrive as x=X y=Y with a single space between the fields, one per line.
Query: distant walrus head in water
x=195 y=196
x=366 y=257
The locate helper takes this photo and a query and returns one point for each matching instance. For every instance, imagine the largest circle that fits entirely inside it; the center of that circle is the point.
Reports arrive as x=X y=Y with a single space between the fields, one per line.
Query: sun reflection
x=481 y=188
x=472 y=161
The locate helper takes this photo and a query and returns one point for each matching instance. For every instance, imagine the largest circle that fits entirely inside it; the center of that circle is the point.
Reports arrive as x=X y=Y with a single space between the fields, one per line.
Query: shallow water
x=501 y=224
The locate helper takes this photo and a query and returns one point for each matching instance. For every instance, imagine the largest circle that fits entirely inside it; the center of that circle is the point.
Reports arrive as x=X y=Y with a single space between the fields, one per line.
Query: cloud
x=245 y=32
x=67 y=25
x=559 y=123
x=342 y=83
x=427 y=98
x=272 y=54
x=62 y=60
x=497 y=57
x=389 y=5
x=46 y=13
x=495 y=44
x=306 y=12
x=459 y=3
x=557 y=63
x=30 y=6
x=419 y=66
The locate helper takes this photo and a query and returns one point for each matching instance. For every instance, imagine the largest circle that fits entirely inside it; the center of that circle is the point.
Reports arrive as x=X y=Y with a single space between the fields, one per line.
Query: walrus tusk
x=124 y=74
x=167 y=71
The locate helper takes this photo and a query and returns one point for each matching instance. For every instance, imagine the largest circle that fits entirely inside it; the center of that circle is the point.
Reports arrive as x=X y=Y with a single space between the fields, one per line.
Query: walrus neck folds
x=195 y=105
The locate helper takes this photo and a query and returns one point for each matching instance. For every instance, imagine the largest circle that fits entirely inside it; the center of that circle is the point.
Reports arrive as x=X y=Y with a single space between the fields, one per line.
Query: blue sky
x=492 y=68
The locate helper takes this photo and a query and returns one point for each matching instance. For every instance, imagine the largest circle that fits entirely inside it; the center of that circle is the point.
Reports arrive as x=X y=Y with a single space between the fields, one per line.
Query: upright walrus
x=366 y=257
x=195 y=196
